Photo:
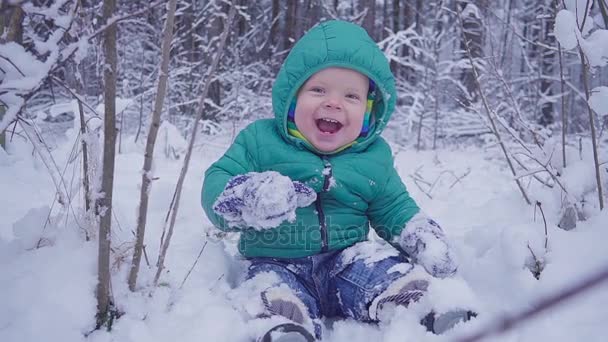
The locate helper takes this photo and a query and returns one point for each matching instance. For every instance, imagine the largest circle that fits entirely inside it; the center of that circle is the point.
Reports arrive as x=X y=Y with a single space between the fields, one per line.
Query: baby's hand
x=262 y=200
x=424 y=240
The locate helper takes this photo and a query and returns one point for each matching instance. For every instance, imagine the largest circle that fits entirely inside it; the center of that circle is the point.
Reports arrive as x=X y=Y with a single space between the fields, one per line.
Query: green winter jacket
x=356 y=188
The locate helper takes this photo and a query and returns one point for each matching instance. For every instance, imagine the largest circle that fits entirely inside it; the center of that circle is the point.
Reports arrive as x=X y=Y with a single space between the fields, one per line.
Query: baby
x=305 y=187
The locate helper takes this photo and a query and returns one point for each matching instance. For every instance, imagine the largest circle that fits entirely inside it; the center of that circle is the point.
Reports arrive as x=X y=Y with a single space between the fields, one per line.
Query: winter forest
x=112 y=110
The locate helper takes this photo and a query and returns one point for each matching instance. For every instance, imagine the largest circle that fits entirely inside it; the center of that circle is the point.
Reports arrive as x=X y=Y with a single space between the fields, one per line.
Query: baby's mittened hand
x=262 y=200
x=230 y=203
x=271 y=198
x=424 y=240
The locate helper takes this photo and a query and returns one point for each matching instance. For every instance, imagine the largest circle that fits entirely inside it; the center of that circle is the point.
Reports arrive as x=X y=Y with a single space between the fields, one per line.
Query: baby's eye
x=353 y=96
x=317 y=90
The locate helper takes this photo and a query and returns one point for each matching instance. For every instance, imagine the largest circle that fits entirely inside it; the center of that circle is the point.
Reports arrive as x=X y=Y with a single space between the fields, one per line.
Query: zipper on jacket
x=327 y=173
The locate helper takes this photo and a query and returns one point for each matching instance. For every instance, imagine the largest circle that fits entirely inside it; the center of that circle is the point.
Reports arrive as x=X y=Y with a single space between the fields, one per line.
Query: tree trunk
x=548 y=60
x=396 y=27
x=152 y=134
x=370 y=18
x=290 y=24
x=15 y=26
x=472 y=39
x=215 y=88
x=104 y=205
x=385 y=20
x=14 y=34
x=273 y=39
x=419 y=19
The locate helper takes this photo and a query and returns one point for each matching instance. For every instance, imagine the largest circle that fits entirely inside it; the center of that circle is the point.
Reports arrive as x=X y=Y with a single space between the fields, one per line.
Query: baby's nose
x=332 y=103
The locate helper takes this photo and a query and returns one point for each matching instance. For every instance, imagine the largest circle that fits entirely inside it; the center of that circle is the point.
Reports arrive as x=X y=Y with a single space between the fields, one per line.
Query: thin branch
x=598 y=177
x=79 y=98
x=193 y=265
x=13 y=64
x=538 y=204
x=489 y=112
x=508 y=323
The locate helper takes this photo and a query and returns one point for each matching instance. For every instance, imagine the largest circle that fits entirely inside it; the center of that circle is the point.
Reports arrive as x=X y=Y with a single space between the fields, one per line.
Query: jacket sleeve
x=391 y=208
x=238 y=159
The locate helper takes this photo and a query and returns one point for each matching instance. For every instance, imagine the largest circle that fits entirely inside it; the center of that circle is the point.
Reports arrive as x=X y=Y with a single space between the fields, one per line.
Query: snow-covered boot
x=285 y=304
x=440 y=323
x=287 y=332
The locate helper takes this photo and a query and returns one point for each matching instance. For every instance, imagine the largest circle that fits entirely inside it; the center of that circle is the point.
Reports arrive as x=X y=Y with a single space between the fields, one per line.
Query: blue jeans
x=337 y=283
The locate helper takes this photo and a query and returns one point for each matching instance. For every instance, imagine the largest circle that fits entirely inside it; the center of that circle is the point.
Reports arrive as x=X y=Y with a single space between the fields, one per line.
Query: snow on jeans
x=343 y=283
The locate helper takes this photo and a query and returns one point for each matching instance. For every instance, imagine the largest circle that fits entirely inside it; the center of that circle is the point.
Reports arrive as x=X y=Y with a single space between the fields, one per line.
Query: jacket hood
x=334 y=43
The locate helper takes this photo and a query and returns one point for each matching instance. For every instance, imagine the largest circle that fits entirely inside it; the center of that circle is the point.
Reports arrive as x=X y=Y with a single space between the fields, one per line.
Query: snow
x=470 y=11
x=599 y=100
x=595 y=48
x=170 y=143
x=48 y=293
x=580 y=8
x=369 y=251
x=566 y=31
x=594 y=45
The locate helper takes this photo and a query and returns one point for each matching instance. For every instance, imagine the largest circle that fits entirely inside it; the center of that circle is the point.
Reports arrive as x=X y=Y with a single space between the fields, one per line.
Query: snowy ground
x=48 y=293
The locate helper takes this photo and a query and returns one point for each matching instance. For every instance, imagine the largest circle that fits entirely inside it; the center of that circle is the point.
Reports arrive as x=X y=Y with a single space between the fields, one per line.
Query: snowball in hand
x=262 y=200
x=269 y=199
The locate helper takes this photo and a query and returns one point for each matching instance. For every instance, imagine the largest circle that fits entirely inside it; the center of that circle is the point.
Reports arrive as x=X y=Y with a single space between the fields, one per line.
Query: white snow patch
x=368 y=251
x=599 y=100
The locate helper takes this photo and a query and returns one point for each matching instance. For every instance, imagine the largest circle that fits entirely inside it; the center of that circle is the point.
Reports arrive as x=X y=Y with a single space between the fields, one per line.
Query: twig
x=193 y=265
x=532 y=173
x=13 y=64
x=537 y=263
x=563 y=98
x=538 y=204
x=79 y=98
x=458 y=179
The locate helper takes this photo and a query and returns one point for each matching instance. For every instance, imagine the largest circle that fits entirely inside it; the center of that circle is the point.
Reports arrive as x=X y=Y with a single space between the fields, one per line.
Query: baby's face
x=330 y=108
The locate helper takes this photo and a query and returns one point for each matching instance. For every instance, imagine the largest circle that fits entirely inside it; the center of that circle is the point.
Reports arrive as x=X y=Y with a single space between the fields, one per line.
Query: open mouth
x=329 y=126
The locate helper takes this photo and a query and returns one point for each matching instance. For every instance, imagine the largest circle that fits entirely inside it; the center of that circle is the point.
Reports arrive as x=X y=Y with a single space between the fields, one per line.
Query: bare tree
x=151 y=142
x=104 y=204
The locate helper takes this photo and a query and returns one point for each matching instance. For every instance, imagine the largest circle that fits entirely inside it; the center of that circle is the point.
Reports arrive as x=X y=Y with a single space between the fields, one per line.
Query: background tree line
x=512 y=42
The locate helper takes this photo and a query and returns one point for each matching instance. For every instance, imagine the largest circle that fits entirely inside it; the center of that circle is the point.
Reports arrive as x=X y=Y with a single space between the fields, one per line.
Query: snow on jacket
x=356 y=188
